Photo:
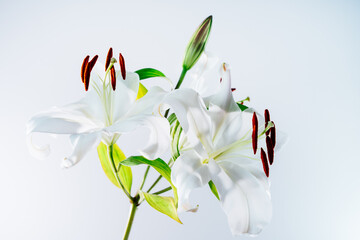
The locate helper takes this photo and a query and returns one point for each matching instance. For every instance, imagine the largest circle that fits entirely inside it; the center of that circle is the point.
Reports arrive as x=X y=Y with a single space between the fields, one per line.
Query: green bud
x=197 y=43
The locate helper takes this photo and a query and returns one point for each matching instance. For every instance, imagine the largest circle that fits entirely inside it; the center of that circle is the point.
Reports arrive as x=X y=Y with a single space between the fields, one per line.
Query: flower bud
x=197 y=43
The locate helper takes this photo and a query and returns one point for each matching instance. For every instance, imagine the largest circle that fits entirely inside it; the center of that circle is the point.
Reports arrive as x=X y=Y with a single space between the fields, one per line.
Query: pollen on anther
x=122 y=66
x=270 y=150
x=88 y=69
x=254 y=132
x=83 y=67
x=267 y=119
x=273 y=135
x=264 y=162
x=108 y=58
x=113 y=78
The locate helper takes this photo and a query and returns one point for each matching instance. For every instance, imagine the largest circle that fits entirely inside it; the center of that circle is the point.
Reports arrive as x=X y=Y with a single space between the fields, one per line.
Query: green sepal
x=213 y=189
x=165 y=205
x=242 y=107
x=149 y=73
x=124 y=173
x=197 y=43
x=158 y=164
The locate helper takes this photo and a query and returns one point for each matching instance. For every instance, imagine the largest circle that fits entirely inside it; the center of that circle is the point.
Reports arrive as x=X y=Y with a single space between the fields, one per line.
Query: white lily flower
x=109 y=109
x=220 y=142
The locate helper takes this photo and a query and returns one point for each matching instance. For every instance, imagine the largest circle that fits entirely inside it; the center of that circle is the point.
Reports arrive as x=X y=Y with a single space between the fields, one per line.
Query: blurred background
x=299 y=59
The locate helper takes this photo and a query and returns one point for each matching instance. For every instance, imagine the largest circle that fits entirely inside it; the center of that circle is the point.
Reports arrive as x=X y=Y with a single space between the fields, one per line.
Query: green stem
x=162 y=191
x=133 y=208
x=154 y=184
x=145 y=175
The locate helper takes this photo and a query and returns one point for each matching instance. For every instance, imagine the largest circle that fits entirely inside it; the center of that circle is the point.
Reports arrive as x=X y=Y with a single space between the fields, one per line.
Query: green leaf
x=149 y=73
x=158 y=164
x=141 y=92
x=213 y=189
x=197 y=43
x=242 y=107
x=165 y=205
x=124 y=173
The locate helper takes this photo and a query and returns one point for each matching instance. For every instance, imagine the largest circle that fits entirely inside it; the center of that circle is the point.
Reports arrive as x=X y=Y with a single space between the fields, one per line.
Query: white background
x=300 y=59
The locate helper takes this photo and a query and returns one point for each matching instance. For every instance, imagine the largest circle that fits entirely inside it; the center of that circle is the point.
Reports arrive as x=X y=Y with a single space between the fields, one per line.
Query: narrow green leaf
x=158 y=164
x=149 y=73
x=242 y=107
x=165 y=205
x=213 y=189
x=124 y=172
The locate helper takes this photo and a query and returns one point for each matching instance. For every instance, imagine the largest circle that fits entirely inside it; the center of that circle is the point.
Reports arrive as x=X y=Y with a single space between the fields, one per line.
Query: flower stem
x=133 y=208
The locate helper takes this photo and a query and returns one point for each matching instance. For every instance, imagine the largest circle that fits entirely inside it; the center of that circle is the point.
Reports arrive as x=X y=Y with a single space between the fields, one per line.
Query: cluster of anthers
x=270 y=140
x=87 y=67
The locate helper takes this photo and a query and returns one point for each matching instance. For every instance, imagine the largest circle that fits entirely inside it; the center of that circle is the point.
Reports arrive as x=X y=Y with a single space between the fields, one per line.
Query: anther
x=254 y=132
x=267 y=119
x=264 y=162
x=270 y=150
x=83 y=67
x=88 y=69
x=122 y=66
x=273 y=135
x=108 y=58
x=233 y=89
x=113 y=78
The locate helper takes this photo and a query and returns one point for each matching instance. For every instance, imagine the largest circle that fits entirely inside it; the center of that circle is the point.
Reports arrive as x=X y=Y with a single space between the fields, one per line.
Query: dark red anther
x=122 y=66
x=267 y=119
x=270 y=150
x=273 y=135
x=220 y=80
x=83 y=67
x=113 y=78
x=88 y=69
x=108 y=58
x=264 y=162
x=254 y=132
x=233 y=89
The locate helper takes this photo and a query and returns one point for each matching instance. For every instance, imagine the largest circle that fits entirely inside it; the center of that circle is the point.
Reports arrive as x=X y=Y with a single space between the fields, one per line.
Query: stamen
x=264 y=162
x=267 y=119
x=88 y=69
x=233 y=89
x=273 y=135
x=254 y=132
x=220 y=80
x=83 y=67
x=122 y=66
x=270 y=150
x=108 y=58
x=113 y=78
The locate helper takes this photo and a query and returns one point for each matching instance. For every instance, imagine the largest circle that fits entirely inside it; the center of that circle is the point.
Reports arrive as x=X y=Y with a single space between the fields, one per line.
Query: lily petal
x=243 y=198
x=191 y=113
x=81 y=143
x=188 y=173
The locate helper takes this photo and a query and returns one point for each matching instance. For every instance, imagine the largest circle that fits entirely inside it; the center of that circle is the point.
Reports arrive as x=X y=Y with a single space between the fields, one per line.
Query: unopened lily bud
x=197 y=43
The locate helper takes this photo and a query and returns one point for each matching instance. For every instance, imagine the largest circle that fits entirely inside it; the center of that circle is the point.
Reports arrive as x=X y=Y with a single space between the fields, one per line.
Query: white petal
x=188 y=172
x=243 y=197
x=125 y=94
x=81 y=144
x=159 y=127
x=192 y=115
x=224 y=98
